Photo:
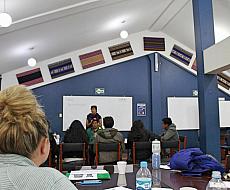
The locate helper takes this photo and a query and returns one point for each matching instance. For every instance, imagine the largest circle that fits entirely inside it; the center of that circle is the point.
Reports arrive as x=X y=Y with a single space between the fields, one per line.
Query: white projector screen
x=78 y=107
x=184 y=112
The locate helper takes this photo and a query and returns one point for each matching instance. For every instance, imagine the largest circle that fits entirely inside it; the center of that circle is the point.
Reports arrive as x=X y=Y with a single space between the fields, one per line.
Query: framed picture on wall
x=141 y=109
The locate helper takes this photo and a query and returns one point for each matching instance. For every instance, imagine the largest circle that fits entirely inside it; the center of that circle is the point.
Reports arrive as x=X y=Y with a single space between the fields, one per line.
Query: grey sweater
x=170 y=134
x=20 y=173
x=109 y=135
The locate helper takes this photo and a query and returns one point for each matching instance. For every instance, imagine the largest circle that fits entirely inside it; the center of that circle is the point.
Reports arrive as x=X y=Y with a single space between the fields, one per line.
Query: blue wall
x=134 y=78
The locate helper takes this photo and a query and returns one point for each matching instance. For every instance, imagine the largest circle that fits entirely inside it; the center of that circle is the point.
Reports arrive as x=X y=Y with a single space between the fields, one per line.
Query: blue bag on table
x=193 y=162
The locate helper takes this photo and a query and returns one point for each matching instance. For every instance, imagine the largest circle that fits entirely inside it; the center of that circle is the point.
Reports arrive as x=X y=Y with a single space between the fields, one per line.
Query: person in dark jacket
x=139 y=134
x=170 y=133
x=109 y=135
x=75 y=134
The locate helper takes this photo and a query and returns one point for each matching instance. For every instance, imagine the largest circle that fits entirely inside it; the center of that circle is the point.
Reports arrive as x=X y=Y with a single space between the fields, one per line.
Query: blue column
x=207 y=84
x=155 y=94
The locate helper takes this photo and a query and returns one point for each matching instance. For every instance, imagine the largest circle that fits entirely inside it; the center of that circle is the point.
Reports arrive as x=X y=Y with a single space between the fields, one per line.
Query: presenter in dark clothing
x=92 y=116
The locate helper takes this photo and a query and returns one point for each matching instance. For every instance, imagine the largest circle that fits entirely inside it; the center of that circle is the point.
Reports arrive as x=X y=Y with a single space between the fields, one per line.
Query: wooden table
x=168 y=179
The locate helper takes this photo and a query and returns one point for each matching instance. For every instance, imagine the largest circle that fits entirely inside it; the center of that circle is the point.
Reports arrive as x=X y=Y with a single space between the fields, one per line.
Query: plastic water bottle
x=216 y=183
x=156 y=154
x=143 y=178
x=156 y=161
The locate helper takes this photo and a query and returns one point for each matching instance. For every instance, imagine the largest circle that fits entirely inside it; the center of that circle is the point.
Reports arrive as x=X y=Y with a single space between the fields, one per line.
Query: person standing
x=93 y=115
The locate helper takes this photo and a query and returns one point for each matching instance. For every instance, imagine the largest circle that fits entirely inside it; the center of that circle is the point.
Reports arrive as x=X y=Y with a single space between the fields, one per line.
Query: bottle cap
x=144 y=164
x=216 y=174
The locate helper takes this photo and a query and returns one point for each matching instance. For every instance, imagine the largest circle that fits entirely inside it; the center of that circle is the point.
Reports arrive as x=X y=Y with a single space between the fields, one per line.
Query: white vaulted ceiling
x=55 y=27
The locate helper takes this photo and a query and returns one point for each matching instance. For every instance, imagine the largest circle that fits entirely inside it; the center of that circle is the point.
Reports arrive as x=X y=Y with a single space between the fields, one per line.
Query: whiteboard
x=184 y=112
x=224 y=113
x=78 y=107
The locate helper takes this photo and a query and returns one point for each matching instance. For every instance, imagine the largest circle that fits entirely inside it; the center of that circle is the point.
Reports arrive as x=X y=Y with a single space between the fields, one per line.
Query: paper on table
x=85 y=174
x=159 y=188
x=118 y=188
x=165 y=167
x=78 y=177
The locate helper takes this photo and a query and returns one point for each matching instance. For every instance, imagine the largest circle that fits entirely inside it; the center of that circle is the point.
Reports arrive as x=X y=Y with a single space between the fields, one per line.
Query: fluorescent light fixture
x=32 y=62
x=124 y=34
x=5 y=20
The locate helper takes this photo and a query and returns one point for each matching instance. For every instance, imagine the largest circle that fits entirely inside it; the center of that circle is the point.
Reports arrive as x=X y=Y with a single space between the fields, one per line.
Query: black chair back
x=72 y=147
x=227 y=139
x=108 y=147
x=169 y=144
x=69 y=150
x=141 y=151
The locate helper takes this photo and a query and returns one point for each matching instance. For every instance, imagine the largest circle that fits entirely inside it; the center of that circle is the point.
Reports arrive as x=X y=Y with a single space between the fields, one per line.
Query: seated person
x=109 y=135
x=75 y=134
x=24 y=144
x=91 y=134
x=170 y=134
x=139 y=134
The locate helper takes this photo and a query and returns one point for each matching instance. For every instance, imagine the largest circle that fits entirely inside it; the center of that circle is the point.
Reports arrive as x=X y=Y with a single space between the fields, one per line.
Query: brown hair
x=22 y=121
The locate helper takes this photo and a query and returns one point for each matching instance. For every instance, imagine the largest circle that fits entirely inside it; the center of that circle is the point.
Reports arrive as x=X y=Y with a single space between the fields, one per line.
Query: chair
x=182 y=139
x=107 y=147
x=172 y=145
x=226 y=147
x=139 y=147
x=227 y=163
x=70 y=148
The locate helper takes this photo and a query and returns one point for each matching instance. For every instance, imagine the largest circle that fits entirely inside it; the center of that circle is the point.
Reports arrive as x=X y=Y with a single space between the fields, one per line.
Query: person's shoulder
x=98 y=115
x=119 y=133
x=58 y=180
x=51 y=173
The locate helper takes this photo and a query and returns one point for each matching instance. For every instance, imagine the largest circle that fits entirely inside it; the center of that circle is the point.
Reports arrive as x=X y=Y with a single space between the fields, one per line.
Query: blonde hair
x=22 y=121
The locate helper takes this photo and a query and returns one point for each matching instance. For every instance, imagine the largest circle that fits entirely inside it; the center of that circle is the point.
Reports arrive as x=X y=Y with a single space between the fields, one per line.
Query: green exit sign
x=99 y=91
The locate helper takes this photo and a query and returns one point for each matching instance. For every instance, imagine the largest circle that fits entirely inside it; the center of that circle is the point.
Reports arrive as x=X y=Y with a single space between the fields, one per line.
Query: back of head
x=108 y=122
x=138 y=131
x=138 y=125
x=22 y=121
x=76 y=133
x=167 y=121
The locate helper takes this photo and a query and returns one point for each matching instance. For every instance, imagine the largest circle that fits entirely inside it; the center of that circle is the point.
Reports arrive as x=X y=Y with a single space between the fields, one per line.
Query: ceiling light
x=32 y=62
x=5 y=20
x=124 y=34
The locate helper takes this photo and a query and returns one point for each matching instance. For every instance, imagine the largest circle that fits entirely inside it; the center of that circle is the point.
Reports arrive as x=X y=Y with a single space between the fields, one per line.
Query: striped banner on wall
x=223 y=80
x=181 y=55
x=154 y=44
x=121 y=50
x=91 y=59
x=30 y=78
x=61 y=68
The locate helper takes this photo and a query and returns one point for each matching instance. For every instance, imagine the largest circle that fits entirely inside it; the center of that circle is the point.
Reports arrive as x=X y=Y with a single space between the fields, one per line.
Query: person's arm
x=168 y=135
x=88 y=123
